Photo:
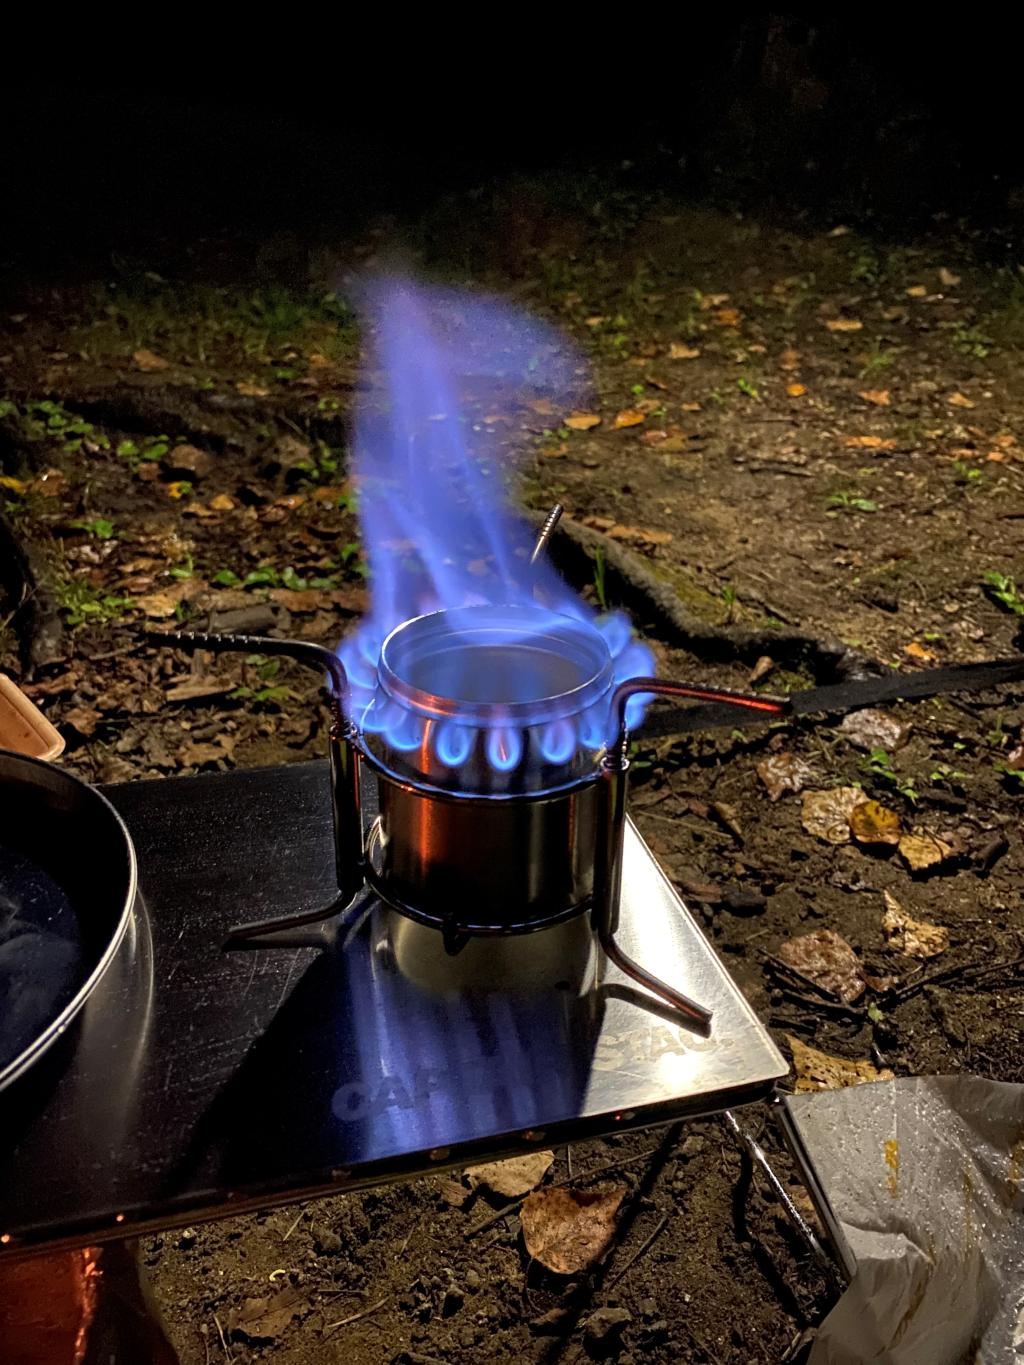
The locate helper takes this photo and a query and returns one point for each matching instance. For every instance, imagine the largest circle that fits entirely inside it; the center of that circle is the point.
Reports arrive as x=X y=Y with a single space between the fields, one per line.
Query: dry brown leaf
x=150 y=361
x=266 y=1319
x=914 y=937
x=160 y=605
x=880 y=397
x=518 y=1175
x=83 y=718
x=917 y=291
x=251 y=390
x=628 y=417
x=727 y=317
x=641 y=535
x=917 y=651
x=869 y=442
x=873 y=729
x=596 y=320
x=959 y=400
x=818 y=1071
x=826 y=814
x=790 y=359
x=582 y=421
x=947 y=279
x=827 y=959
x=873 y=823
x=708 y=301
x=680 y=351
x=195 y=689
x=567 y=1230
x=921 y=849
x=222 y=502
x=200 y=754
x=784 y=772
x=796 y=390
x=844 y=324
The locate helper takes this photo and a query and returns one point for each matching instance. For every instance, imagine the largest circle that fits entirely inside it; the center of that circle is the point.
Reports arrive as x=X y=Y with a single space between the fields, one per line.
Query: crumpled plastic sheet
x=924 y=1177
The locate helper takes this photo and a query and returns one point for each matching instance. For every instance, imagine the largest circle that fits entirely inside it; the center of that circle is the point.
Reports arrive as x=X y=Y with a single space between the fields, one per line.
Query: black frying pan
x=67 y=885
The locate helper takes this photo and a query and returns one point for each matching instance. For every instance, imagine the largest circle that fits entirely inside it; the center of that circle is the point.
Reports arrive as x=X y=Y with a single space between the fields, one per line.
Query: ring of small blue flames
x=508 y=747
x=451 y=379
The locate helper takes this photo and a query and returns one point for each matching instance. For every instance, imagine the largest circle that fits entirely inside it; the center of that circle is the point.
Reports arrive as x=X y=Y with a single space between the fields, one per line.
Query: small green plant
x=972 y=341
x=638 y=390
x=148 y=453
x=944 y=775
x=183 y=570
x=82 y=603
x=600 y=589
x=99 y=527
x=865 y=267
x=966 y=474
x=878 y=765
x=717 y=396
x=47 y=421
x=225 y=578
x=748 y=387
x=844 y=501
x=1003 y=590
x=877 y=360
x=1014 y=777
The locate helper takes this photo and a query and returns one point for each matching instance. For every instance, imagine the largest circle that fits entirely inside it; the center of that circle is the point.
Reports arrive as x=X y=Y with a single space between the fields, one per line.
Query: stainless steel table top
x=202 y=1082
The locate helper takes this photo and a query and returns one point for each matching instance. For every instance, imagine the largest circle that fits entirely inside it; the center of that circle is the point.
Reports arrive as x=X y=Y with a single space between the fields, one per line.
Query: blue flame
x=437 y=434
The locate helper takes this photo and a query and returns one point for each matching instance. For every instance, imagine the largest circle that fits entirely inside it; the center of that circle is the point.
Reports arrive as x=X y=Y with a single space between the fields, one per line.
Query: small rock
x=187 y=1240
x=742 y=901
x=473 y=1280
x=648 y=1308
x=693 y=1146
x=187 y=462
x=553 y=1323
x=604 y=1327
x=328 y=1243
x=452 y=1301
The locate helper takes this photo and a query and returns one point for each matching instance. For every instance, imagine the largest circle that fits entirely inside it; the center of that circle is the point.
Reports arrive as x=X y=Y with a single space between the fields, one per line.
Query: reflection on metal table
x=200 y=1082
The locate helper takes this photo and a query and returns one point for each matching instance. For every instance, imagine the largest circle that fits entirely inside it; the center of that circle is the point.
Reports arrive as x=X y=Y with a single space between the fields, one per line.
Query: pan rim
x=59 y=1025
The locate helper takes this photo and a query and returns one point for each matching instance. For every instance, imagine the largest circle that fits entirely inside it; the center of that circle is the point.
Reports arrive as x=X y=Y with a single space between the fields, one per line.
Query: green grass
x=844 y=501
x=82 y=603
x=1003 y=590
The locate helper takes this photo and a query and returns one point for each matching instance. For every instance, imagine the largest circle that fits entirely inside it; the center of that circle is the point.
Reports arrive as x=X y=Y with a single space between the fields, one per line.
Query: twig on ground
x=354 y=1317
x=223 y=1340
x=659 y=1228
x=298 y=1219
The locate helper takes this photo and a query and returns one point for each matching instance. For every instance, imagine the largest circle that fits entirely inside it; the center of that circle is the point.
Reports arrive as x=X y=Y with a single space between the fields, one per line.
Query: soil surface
x=804 y=431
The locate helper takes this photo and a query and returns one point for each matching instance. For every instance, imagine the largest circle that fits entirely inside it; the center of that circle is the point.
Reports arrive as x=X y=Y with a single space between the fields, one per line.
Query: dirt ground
x=802 y=429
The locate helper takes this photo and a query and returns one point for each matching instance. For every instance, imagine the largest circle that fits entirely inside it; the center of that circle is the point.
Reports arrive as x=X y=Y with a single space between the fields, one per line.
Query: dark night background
x=877 y=117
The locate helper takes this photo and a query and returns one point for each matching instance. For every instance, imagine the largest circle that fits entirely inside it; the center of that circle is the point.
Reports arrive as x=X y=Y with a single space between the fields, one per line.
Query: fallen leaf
x=826 y=958
x=880 y=397
x=251 y=390
x=12 y=484
x=223 y=502
x=844 y=324
x=690 y=407
x=567 y=1230
x=583 y=421
x=679 y=351
x=159 y=605
x=796 y=390
x=947 y=279
x=819 y=1071
x=790 y=358
x=869 y=442
x=543 y=407
x=200 y=754
x=707 y=301
x=51 y=483
x=642 y=535
x=317 y=360
x=266 y=1319
x=959 y=400
x=826 y=814
x=873 y=729
x=596 y=320
x=727 y=317
x=921 y=849
x=82 y=718
x=453 y=1193
x=764 y=665
x=914 y=937
x=654 y=438
x=917 y=291
x=917 y=651
x=628 y=417
x=179 y=488
x=150 y=361
x=784 y=772
x=1015 y=758
x=518 y=1175
x=195 y=689
x=840 y=231
x=873 y=823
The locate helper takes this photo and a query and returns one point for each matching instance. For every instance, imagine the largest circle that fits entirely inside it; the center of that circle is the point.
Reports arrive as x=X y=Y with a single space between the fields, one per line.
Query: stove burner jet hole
x=492 y=700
